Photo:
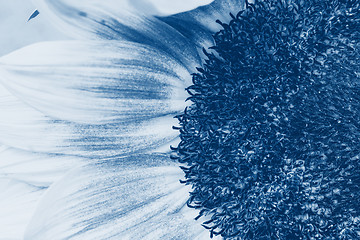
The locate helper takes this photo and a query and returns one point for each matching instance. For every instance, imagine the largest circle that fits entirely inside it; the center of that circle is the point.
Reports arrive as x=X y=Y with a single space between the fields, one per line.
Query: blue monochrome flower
x=263 y=97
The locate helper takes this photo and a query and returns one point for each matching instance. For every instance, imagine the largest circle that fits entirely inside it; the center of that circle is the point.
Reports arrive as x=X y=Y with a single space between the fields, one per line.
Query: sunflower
x=263 y=97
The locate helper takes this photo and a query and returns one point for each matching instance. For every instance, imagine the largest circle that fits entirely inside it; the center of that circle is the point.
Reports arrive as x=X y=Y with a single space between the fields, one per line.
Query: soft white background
x=16 y=32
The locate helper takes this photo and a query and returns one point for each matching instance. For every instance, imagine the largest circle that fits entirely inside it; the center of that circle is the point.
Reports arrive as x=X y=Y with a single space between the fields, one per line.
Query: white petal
x=23 y=127
x=165 y=7
x=117 y=20
x=18 y=202
x=24 y=177
x=148 y=7
x=36 y=169
x=141 y=199
x=96 y=82
x=200 y=23
x=166 y=147
x=206 y=16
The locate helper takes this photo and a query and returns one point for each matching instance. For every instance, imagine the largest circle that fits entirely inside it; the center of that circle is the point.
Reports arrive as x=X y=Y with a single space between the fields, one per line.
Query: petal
x=165 y=7
x=141 y=199
x=96 y=82
x=35 y=169
x=200 y=23
x=23 y=127
x=24 y=177
x=166 y=147
x=207 y=15
x=113 y=20
x=18 y=202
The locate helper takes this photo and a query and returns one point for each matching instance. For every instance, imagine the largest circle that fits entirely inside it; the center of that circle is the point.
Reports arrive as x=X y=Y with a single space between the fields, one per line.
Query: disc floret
x=271 y=143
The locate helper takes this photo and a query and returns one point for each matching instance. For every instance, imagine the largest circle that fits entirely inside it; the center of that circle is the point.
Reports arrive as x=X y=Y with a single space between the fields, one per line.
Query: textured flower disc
x=271 y=142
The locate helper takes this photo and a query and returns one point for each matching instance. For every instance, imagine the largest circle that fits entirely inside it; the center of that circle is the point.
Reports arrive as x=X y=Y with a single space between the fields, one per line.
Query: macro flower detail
x=264 y=144
x=109 y=95
x=270 y=141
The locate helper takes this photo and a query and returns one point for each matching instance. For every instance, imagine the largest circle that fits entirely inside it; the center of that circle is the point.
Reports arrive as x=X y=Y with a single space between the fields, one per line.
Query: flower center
x=271 y=143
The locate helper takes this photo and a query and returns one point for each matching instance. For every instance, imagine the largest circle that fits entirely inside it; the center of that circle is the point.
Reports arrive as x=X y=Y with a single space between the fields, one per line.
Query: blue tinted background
x=16 y=32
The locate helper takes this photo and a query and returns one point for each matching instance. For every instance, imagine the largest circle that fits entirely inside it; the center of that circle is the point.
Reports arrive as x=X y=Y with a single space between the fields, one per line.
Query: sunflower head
x=271 y=141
